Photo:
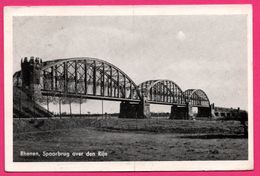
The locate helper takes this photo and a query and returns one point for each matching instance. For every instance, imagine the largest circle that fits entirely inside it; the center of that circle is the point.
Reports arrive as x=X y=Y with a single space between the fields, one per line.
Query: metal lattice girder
x=197 y=97
x=98 y=79
x=87 y=76
x=162 y=92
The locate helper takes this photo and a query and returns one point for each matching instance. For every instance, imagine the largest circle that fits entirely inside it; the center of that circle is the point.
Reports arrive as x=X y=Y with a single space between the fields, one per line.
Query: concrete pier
x=134 y=110
x=179 y=112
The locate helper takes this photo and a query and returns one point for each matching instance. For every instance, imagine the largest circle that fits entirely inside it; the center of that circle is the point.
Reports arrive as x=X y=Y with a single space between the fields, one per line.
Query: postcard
x=128 y=88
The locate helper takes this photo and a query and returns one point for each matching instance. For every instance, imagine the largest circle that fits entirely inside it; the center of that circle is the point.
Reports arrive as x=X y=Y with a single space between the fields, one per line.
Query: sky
x=207 y=52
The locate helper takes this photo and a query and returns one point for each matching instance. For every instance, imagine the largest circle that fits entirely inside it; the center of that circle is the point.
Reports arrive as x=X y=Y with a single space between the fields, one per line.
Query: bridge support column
x=180 y=112
x=204 y=112
x=190 y=114
x=145 y=113
x=134 y=110
x=212 y=111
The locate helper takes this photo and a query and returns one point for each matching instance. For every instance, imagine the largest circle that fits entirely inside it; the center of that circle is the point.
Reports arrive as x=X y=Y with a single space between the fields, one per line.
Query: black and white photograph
x=129 y=88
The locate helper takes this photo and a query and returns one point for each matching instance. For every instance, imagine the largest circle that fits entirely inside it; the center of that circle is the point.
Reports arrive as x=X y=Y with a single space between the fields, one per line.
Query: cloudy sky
x=207 y=52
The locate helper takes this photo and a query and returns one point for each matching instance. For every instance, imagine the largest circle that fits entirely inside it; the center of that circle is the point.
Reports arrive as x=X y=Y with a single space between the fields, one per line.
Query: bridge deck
x=84 y=96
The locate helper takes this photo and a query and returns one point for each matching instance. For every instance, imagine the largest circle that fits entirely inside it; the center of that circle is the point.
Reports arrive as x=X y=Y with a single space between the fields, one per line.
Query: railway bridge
x=92 y=78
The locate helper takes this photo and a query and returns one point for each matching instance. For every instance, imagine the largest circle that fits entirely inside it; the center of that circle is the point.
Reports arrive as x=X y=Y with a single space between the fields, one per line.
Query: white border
x=10 y=12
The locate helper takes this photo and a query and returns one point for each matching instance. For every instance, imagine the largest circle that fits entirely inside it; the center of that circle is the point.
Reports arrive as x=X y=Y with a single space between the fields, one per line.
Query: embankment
x=126 y=125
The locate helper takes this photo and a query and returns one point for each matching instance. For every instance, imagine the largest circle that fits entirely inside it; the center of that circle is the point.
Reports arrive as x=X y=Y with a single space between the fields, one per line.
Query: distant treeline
x=160 y=114
x=86 y=115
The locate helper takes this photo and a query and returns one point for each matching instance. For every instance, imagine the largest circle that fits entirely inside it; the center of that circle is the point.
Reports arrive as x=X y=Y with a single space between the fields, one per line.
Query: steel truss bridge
x=92 y=78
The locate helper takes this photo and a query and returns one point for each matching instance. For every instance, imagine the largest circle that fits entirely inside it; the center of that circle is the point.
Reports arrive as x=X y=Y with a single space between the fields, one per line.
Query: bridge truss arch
x=91 y=77
x=197 y=98
x=85 y=77
x=162 y=92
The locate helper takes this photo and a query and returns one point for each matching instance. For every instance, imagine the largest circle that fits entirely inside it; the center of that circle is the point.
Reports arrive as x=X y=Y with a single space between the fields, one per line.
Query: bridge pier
x=204 y=112
x=134 y=110
x=31 y=77
x=180 y=112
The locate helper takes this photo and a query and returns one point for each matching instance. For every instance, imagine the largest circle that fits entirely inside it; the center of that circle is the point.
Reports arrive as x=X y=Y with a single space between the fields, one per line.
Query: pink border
x=256 y=54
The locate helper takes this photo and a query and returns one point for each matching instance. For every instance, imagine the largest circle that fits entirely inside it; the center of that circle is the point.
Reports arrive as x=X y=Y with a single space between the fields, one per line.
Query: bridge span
x=92 y=78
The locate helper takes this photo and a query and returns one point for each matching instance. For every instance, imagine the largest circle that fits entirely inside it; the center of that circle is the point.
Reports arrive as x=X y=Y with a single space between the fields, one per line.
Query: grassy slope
x=126 y=139
x=149 y=125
